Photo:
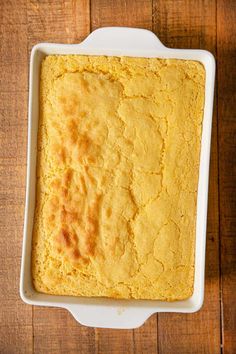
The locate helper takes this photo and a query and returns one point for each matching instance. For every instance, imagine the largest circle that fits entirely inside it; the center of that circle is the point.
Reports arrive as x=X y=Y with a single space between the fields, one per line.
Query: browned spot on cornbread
x=68 y=216
x=65 y=239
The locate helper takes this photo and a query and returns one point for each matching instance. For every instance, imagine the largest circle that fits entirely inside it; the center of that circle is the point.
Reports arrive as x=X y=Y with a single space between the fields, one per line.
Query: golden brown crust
x=118 y=159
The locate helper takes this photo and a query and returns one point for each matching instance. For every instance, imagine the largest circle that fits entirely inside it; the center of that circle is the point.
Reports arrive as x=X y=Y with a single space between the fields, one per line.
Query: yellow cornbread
x=117 y=175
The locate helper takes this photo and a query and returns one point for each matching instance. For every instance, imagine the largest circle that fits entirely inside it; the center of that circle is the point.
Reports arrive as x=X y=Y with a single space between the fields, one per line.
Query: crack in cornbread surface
x=117 y=175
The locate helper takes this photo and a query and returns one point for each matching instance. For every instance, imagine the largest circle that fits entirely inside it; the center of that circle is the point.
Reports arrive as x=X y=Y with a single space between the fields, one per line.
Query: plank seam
x=90 y=16
x=27 y=23
x=219 y=209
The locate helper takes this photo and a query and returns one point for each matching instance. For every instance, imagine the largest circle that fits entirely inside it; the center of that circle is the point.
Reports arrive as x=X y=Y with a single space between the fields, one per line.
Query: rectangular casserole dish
x=101 y=312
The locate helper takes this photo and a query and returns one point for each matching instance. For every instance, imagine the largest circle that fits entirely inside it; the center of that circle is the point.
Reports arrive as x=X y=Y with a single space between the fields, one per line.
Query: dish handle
x=120 y=317
x=121 y=38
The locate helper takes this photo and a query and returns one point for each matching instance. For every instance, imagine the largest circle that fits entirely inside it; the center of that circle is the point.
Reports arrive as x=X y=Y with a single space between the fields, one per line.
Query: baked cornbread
x=117 y=176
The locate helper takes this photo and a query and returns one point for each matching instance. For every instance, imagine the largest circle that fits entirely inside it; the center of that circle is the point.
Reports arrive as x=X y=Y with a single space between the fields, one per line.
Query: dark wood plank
x=145 y=337
x=55 y=330
x=57 y=21
x=126 y=13
x=15 y=317
x=192 y=24
x=226 y=49
x=133 y=14
x=112 y=341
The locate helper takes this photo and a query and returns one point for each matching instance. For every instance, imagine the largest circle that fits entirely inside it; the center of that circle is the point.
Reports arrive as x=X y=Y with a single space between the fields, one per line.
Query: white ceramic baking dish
x=101 y=312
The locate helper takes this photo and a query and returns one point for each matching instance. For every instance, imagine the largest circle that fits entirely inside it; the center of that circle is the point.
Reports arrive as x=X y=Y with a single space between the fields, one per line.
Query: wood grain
x=15 y=317
x=226 y=50
x=56 y=331
x=126 y=13
x=192 y=24
x=57 y=21
x=133 y=14
x=145 y=337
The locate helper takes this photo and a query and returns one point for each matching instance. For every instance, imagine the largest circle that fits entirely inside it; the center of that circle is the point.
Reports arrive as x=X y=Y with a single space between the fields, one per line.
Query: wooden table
x=208 y=24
